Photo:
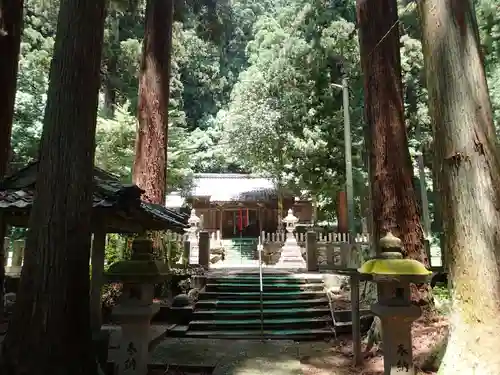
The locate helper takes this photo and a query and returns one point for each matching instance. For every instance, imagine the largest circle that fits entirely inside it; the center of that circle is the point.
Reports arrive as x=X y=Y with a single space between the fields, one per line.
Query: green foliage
x=171 y=249
x=284 y=118
x=115 y=142
x=252 y=89
x=117 y=248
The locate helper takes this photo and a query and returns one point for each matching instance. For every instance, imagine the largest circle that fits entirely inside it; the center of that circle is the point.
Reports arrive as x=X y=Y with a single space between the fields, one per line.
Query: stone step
x=283 y=295
x=266 y=279
x=302 y=334
x=242 y=314
x=255 y=324
x=235 y=287
x=282 y=333
x=255 y=303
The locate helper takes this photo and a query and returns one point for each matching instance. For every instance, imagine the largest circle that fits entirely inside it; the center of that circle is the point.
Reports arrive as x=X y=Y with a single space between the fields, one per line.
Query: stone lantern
x=193 y=222
x=393 y=276
x=136 y=308
x=291 y=254
x=192 y=231
x=290 y=221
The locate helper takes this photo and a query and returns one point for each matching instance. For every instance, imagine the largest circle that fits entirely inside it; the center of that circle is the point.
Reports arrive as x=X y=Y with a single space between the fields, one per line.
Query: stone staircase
x=294 y=308
x=240 y=250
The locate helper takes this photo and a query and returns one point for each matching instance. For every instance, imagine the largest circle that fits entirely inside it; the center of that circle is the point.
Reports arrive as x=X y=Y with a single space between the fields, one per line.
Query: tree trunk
x=149 y=171
x=50 y=330
x=395 y=205
x=469 y=180
x=11 y=25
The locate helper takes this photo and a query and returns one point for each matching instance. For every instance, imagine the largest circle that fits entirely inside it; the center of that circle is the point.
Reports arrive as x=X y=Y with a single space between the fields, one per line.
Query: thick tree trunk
x=149 y=171
x=468 y=176
x=50 y=330
x=11 y=25
x=395 y=205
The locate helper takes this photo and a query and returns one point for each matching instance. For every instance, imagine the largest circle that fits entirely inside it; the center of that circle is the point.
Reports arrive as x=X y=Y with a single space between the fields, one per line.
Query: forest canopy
x=252 y=89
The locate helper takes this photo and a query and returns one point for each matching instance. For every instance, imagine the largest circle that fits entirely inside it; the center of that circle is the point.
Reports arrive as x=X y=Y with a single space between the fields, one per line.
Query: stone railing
x=323 y=238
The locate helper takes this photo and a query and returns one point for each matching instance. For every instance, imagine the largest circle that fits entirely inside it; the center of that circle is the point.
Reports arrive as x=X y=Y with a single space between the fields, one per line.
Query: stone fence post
x=312 y=252
x=204 y=249
x=345 y=249
x=17 y=253
x=5 y=245
x=185 y=253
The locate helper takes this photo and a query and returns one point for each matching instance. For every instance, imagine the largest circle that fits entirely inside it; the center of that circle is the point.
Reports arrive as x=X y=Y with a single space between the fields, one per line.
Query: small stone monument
x=393 y=276
x=136 y=308
x=291 y=254
x=192 y=231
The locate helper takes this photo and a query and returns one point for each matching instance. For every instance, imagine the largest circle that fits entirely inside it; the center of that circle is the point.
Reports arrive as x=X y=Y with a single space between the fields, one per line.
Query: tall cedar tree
x=468 y=169
x=150 y=163
x=50 y=330
x=11 y=22
x=395 y=206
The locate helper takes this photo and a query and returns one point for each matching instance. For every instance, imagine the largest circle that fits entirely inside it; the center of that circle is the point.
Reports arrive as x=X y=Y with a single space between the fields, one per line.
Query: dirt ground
x=335 y=357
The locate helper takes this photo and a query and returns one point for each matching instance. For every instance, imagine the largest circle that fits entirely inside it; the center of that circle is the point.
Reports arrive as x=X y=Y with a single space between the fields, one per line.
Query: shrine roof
x=233 y=187
x=111 y=198
x=227 y=187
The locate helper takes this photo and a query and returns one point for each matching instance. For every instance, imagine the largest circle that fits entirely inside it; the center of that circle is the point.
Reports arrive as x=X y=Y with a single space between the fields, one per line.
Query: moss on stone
x=138 y=271
x=394 y=267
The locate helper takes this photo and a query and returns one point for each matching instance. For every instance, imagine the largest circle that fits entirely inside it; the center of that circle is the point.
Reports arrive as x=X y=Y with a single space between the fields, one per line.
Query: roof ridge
x=230 y=176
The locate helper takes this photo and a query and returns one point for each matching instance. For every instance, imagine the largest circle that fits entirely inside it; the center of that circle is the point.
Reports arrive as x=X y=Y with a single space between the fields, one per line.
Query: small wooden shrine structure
x=240 y=205
x=117 y=208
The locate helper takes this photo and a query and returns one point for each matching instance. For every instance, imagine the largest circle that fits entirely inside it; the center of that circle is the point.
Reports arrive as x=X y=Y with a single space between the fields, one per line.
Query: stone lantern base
x=291 y=254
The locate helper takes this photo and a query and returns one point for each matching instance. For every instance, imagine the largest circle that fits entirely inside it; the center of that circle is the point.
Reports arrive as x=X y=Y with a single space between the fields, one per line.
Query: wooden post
x=204 y=249
x=342 y=216
x=356 y=331
x=98 y=250
x=312 y=252
x=221 y=221
x=4 y=254
x=427 y=247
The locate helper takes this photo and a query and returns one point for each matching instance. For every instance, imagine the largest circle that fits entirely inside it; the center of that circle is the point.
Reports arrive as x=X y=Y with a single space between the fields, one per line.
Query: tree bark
x=11 y=25
x=50 y=329
x=468 y=176
x=395 y=205
x=149 y=171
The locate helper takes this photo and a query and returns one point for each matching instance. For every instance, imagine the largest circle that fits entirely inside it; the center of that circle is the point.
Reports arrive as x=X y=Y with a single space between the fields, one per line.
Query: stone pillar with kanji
x=136 y=308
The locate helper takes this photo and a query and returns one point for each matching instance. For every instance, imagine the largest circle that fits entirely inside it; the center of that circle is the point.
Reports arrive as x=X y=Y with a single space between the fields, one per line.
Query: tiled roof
x=233 y=187
x=18 y=191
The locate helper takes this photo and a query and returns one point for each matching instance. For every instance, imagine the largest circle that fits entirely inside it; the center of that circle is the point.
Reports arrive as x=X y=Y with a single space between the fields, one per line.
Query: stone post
x=194 y=226
x=185 y=253
x=393 y=276
x=6 y=243
x=17 y=253
x=204 y=249
x=136 y=308
x=344 y=254
x=312 y=251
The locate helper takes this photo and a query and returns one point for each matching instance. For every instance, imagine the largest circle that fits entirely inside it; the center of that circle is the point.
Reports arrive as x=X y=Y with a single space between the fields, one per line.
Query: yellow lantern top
x=391 y=262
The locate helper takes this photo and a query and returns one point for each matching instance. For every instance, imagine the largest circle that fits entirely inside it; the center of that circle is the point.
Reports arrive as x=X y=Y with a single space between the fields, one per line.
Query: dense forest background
x=252 y=89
